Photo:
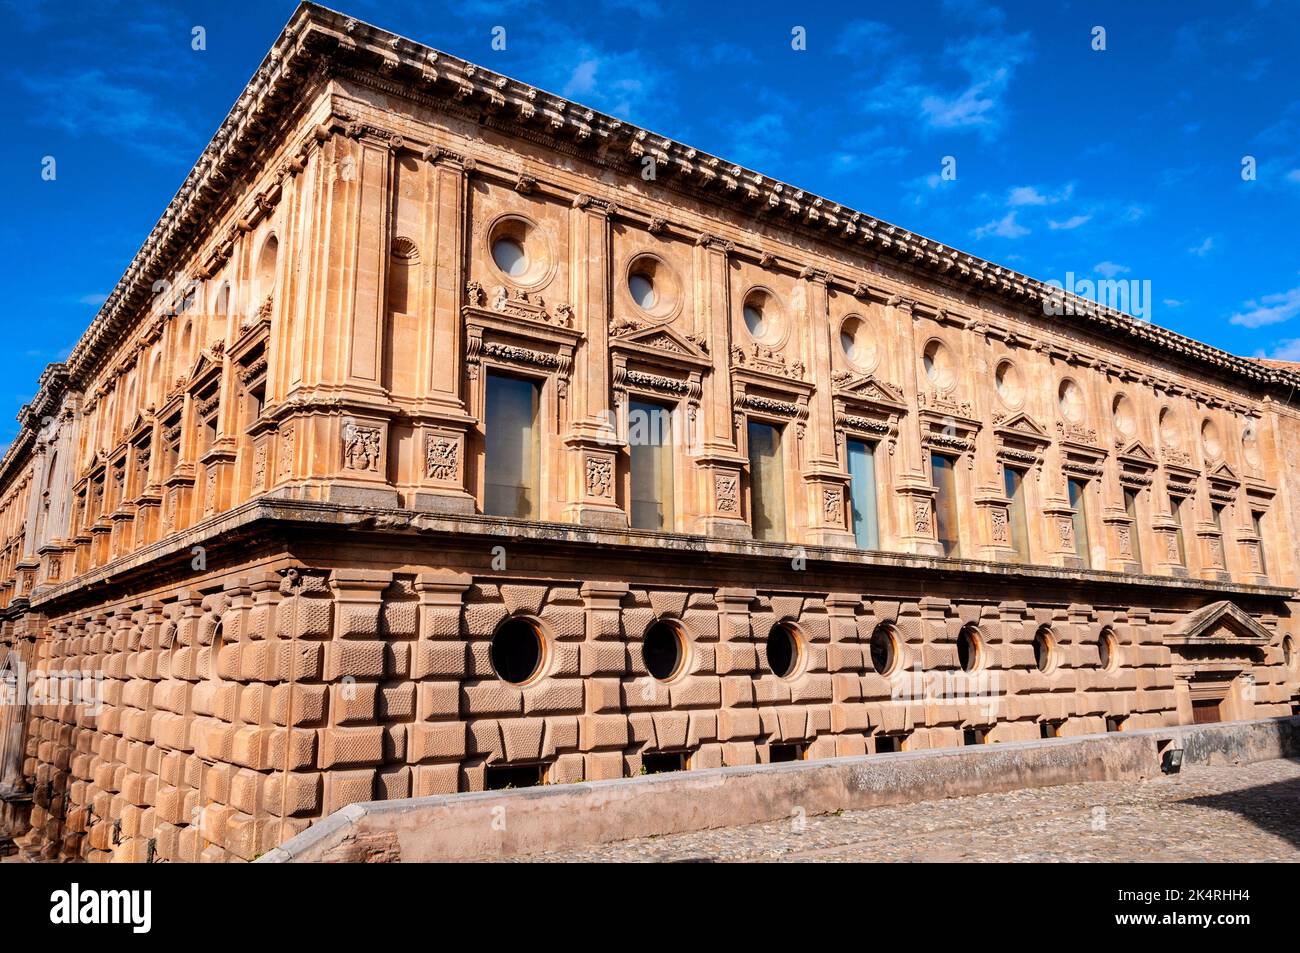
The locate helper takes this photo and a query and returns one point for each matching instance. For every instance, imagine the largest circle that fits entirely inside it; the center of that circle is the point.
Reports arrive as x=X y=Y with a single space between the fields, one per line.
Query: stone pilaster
x=718 y=464
x=592 y=463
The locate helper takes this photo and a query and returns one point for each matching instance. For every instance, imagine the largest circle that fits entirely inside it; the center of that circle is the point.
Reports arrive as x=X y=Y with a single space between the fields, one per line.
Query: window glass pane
x=1135 y=531
x=649 y=437
x=1015 y=487
x=944 y=476
x=1176 y=511
x=766 y=481
x=1078 y=503
x=511 y=467
x=1257 y=520
x=862 y=494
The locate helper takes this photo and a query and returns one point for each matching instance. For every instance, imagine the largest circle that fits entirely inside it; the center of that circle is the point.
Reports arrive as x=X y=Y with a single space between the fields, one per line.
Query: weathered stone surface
x=258 y=517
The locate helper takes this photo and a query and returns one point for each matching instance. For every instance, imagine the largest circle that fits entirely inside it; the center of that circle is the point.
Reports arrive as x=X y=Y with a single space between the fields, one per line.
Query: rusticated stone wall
x=237 y=712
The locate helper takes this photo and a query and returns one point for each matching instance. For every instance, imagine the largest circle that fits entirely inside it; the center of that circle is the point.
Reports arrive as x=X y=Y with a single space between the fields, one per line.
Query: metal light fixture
x=1172 y=762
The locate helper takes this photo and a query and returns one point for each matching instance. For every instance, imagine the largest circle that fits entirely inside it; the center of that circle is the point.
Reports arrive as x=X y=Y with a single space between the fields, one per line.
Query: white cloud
x=622 y=84
x=843 y=162
x=1270 y=309
x=1032 y=195
x=1005 y=227
x=976 y=102
x=1286 y=350
x=1203 y=249
x=1026 y=195
x=1074 y=221
x=1110 y=269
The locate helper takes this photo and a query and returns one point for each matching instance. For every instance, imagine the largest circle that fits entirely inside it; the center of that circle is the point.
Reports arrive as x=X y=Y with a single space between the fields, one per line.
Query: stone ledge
x=494 y=824
x=301 y=514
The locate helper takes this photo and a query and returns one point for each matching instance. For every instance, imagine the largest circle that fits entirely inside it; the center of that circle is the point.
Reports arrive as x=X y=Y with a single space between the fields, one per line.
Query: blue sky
x=1124 y=162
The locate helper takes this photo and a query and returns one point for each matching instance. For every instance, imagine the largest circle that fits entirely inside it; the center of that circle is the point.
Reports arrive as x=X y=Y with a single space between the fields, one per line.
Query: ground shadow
x=1274 y=808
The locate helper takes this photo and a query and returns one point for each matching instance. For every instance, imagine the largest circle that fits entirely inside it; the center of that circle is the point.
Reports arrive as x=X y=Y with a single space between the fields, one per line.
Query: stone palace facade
x=447 y=435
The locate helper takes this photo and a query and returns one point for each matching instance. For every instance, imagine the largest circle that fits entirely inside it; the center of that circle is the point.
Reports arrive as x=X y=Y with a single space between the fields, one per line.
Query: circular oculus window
x=1168 y=428
x=938 y=363
x=1010 y=384
x=968 y=649
x=762 y=317
x=517 y=651
x=1210 y=439
x=1044 y=651
x=1108 y=650
x=1124 y=417
x=519 y=250
x=663 y=650
x=1070 y=401
x=857 y=342
x=884 y=650
x=782 y=650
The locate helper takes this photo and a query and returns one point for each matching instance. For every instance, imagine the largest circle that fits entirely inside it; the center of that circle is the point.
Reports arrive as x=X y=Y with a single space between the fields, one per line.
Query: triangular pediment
x=1225 y=472
x=1137 y=450
x=663 y=339
x=870 y=389
x=1218 y=623
x=1022 y=425
x=138 y=423
x=204 y=365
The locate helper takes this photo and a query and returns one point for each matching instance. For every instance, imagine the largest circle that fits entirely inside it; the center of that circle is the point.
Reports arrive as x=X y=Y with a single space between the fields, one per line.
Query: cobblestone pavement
x=1231 y=813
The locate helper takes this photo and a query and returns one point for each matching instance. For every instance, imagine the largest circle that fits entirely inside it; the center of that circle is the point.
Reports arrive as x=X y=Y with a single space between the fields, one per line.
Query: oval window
x=516 y=651
x=782 y=650
x=1107 y=650
x=1009 y=384
x=663 y=651
x=1043 y=651
x=968 y=649
x=1125 y=419
x=857 y=343
x=1070 y=400
x=937 y=360
x=884 y=650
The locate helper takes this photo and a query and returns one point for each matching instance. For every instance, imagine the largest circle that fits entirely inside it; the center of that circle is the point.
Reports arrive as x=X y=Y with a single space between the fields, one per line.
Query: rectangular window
x=209 y=431
x=1176 y=512
x=766 y=481
x=171 y=445
x=1257 y=522
x=1078 y=503
x=1014 y=481
x=256 y=402
x=1134 y=530
x=1216 y=511
x=943 y=474
x=649 y=437
x=862 y=494
x=888 y=744
x=512 y=466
